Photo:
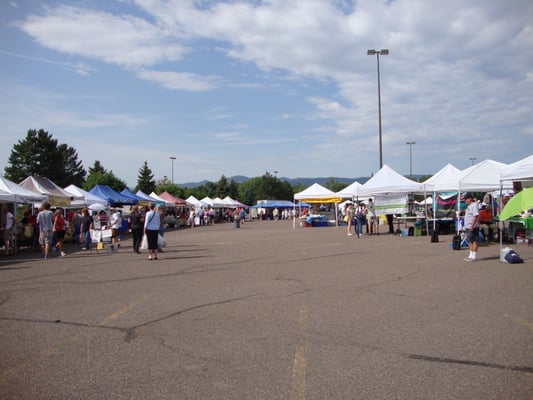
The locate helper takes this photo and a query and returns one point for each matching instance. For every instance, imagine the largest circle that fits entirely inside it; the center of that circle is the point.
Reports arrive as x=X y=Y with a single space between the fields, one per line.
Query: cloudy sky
x=243 y=87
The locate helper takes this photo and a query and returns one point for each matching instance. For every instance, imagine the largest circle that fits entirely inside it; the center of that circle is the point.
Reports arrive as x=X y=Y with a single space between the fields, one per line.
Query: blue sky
x=244 y=87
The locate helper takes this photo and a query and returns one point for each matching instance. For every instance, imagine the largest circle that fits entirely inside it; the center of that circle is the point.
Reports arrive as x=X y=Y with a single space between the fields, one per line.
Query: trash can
x=418 y=231
x=456 y=242
x=237 y=222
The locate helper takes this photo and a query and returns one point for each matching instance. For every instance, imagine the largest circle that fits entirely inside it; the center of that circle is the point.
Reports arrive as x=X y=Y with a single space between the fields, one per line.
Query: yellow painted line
x=299 y=365
x=8 y=374
x=124 y=310
x=521 y=321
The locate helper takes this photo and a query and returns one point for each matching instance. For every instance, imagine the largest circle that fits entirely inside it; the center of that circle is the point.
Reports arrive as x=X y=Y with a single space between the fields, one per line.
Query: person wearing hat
x=472 y=226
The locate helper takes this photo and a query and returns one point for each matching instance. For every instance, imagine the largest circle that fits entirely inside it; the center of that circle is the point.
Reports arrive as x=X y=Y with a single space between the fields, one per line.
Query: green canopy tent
x=521 y=201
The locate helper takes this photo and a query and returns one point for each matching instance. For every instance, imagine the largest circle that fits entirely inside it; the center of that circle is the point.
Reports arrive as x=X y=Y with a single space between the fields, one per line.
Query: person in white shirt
x=472 y=226
x=8 y=230
x=115 y=223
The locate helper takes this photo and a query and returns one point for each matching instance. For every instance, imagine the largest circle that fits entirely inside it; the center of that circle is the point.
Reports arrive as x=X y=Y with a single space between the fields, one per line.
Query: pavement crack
x=470 y=363
x=131 y=332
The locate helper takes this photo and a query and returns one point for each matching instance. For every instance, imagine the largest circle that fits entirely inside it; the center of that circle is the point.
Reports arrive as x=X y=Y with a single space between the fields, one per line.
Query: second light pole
x=410 y=158
x=172 y=161
x=383 y=52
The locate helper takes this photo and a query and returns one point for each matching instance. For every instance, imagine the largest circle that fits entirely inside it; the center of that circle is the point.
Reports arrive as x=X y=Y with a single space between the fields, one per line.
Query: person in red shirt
x=59 y=230
x=486 y=222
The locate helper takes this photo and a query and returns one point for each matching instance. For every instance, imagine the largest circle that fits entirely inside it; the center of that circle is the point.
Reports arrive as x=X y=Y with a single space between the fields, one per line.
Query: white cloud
x=179 y=80
x=124 y=40
x=458 y=76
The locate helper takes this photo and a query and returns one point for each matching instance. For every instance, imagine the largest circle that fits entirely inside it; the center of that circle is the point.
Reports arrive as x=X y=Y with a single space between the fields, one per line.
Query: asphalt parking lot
x=268 y=312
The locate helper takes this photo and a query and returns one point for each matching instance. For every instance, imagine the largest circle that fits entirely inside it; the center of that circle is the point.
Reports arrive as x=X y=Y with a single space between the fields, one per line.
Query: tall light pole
x=172 y=161
x=383 y=52
x=410 y=157
x=472 y=159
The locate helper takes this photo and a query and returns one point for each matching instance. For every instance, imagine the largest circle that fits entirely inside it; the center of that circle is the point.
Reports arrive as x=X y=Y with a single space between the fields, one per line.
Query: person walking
x=115 y=222
x=45 y=221
x=151 y=230
x=360 y=219
x=9 y=223
x=349 y=212
x=472 y=226
x=136 y=223
x=85 y=228
x=59 y=231
x=373 y=222
x=76 y=223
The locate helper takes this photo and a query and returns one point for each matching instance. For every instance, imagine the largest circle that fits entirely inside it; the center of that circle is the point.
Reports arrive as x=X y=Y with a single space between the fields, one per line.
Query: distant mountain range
x=293 y=181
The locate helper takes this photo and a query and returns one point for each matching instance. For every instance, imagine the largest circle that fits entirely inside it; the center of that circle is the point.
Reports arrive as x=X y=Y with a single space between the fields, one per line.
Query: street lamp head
x=172 y=158
x=372 y=52
x=410 y=142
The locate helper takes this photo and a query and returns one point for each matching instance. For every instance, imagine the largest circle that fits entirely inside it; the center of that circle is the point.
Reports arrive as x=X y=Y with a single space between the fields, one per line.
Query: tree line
x=40 y=154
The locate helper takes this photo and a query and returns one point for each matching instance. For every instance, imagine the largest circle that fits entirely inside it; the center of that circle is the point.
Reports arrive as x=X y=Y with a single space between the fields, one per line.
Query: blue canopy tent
x=140 y=200
x=277 y=203
x=114 y=198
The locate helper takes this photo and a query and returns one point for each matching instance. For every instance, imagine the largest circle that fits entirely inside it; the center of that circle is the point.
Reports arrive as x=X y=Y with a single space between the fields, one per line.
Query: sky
x=281 y=86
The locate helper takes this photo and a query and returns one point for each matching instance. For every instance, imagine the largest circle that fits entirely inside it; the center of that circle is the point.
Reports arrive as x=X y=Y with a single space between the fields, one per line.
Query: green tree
x=333 y=185
x=222 y=187
x=145 y=179
x=97 y=167
x=266 y=187
x=166 y=185
x=248 y=191
x=39 y=154
x=99 y=176
x=233 y=190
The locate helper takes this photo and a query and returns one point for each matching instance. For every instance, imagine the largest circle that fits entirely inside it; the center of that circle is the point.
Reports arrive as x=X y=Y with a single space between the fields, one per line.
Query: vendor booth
x=57 y=196
x=317 y=194
x=16 y=195
x=114 y=198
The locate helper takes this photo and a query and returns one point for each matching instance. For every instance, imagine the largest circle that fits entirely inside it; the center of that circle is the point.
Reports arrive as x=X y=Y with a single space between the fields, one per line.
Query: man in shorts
x=115 y=222
x=45 y=222
x=472 y=226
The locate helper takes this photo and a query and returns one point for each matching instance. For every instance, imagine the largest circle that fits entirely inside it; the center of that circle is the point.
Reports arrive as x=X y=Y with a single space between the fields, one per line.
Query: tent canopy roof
x=88 y=198
x=10 y=191
x=56 y=195
x=519 y=170
x=317 y=193
x=172 y=199
x=386 y=180
x=114 y=198
x=350 y=191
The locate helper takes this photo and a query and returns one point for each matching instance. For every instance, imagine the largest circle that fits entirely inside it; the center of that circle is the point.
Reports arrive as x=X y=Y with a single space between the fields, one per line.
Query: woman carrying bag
x=151 y=230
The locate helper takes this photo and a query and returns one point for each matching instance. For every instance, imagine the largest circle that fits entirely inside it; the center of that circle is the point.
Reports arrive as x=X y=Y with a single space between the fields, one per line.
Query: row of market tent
x=487 y=175
x=38 y=189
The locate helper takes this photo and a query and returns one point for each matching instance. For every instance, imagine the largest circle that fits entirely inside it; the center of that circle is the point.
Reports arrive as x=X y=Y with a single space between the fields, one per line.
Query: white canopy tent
x=439 y=180
x=317 y=194
x=386 y=180
x=13 y=193
x=88 y=198
x=10 y=192
x=521 y=170
x=56 y=195
x=165 y=202
x=483 y=176
x=195 y=202
x=351 y=191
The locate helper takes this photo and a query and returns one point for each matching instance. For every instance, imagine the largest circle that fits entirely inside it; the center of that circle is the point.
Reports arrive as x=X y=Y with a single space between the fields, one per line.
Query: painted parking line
x=299 y=365
x=8 y=374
